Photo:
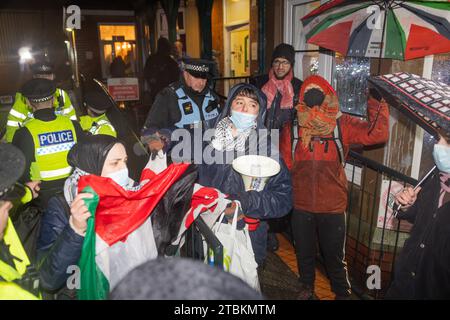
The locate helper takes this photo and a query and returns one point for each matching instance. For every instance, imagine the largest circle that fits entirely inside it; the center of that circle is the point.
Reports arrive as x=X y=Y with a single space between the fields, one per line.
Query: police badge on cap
x=42 y=67
x=198 y=68
x=38 y=90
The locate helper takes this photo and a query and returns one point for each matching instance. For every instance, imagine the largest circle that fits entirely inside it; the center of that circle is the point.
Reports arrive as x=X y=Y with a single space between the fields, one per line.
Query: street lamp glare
x=25 y=54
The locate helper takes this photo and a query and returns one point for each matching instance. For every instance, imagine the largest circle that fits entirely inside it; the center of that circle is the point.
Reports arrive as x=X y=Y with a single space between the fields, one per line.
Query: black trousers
x=329 y=229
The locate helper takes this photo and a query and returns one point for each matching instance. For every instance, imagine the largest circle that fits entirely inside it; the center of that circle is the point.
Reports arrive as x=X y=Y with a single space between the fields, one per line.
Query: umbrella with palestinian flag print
x=400 y=30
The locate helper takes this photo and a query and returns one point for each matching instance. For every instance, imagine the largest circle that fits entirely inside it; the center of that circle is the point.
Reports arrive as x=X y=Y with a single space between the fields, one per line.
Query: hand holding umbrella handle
x=397 y=207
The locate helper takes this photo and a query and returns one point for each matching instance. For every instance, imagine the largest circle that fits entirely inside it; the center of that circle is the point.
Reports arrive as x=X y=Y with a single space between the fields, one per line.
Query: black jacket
x=160 y=70
x=165 y=111
x=273 y=202
x=58 y=247
x=423 y=267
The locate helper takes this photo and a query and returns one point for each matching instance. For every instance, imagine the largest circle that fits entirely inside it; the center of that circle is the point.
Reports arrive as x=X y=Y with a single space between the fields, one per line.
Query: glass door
x=118 y=50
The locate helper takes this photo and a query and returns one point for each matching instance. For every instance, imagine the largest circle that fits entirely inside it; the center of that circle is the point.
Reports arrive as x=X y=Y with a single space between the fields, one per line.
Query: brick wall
x=359 y=257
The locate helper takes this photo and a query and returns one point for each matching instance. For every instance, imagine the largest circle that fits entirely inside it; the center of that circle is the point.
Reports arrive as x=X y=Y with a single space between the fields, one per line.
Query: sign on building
x=385 y=217
x=124 y=89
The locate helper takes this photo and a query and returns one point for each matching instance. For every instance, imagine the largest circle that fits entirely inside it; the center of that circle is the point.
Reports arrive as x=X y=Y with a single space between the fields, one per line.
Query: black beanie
x=284 y=50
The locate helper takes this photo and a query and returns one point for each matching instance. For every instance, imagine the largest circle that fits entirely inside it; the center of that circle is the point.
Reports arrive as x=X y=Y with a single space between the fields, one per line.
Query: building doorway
x=118 y=41
x=239 y=52
x=236 y=17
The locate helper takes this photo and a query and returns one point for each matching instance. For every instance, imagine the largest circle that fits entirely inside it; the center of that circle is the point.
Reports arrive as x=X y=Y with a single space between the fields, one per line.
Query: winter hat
x=181 y=279
x=284 y=50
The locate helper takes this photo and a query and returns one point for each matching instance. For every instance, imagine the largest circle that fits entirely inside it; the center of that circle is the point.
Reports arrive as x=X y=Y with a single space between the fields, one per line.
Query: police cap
x=42 y=67
x=198 y=68
x=38 y=90
x=97 y=101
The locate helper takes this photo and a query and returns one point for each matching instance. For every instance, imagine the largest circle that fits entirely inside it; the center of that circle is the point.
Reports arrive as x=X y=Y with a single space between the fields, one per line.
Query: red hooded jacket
x=318 y=177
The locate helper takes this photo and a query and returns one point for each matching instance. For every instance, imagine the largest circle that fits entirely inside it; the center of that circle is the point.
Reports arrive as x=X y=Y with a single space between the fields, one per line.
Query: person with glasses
x=280 y=79
x=281 y=109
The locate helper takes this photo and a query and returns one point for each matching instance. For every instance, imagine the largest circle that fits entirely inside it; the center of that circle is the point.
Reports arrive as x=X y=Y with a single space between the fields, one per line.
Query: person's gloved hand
x=156 y=140
x=230 y=210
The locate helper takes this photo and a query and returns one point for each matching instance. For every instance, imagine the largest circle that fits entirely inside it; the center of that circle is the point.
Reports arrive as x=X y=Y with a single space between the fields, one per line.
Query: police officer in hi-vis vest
x=96 y=122
x=19 y=280
x=22 y=110
x=46 y=140
x=188 y=103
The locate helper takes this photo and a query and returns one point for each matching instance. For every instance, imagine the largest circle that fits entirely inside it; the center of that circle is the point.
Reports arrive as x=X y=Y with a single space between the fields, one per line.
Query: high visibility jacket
x=98 y=125
x=21 y=111
x=8 y=289
x=52 y=142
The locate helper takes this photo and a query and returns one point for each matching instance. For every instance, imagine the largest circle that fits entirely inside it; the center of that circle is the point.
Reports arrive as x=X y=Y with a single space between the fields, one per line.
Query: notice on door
x=124 y=89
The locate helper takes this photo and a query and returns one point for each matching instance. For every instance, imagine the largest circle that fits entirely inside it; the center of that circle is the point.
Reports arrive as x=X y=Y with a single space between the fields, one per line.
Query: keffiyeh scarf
x=223 y=139
x=284 y=86
x=319 y=120
x=71 y=185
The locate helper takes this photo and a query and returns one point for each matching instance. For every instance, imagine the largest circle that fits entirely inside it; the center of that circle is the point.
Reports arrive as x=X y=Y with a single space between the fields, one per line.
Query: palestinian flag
x=120 y=237
x=403 y=30
x=208 y=202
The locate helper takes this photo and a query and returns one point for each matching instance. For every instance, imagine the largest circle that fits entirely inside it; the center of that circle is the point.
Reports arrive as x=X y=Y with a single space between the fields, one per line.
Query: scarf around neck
x=71 y=185
x=445 y=188
x=319 y=120
x=284 y=86
x=223 y=139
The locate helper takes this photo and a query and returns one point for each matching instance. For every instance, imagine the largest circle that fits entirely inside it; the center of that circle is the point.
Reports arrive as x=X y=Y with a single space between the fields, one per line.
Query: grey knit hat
x=181 y=279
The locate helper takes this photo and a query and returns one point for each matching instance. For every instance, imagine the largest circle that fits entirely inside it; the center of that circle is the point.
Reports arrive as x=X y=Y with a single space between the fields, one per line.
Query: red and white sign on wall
x=124 y=89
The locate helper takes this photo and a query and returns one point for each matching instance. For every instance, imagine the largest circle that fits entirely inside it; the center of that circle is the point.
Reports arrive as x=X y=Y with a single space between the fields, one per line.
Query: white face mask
x=120 y=177
x=441 y=155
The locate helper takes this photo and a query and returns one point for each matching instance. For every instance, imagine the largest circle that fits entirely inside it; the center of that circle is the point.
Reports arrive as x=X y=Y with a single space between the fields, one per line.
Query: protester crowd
x=49 y=154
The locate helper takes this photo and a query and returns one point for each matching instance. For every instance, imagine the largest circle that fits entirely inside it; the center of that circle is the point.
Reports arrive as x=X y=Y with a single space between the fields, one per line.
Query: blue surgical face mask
x=243 y=121
x=441 y=155
x=120 y=177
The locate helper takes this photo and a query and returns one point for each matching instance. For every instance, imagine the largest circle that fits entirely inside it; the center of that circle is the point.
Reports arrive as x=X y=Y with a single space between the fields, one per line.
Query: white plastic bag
x=238 y=256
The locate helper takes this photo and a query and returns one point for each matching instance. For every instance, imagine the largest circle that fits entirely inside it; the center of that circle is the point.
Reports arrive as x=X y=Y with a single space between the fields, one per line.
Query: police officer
x=46 y=139
x=188 y=103
x=18 y=279
x=22 y=110
x=96 y=121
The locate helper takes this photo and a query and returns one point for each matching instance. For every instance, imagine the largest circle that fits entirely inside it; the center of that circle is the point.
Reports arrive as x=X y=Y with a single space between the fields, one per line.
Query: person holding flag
x=134 y=222
x=64 y=222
